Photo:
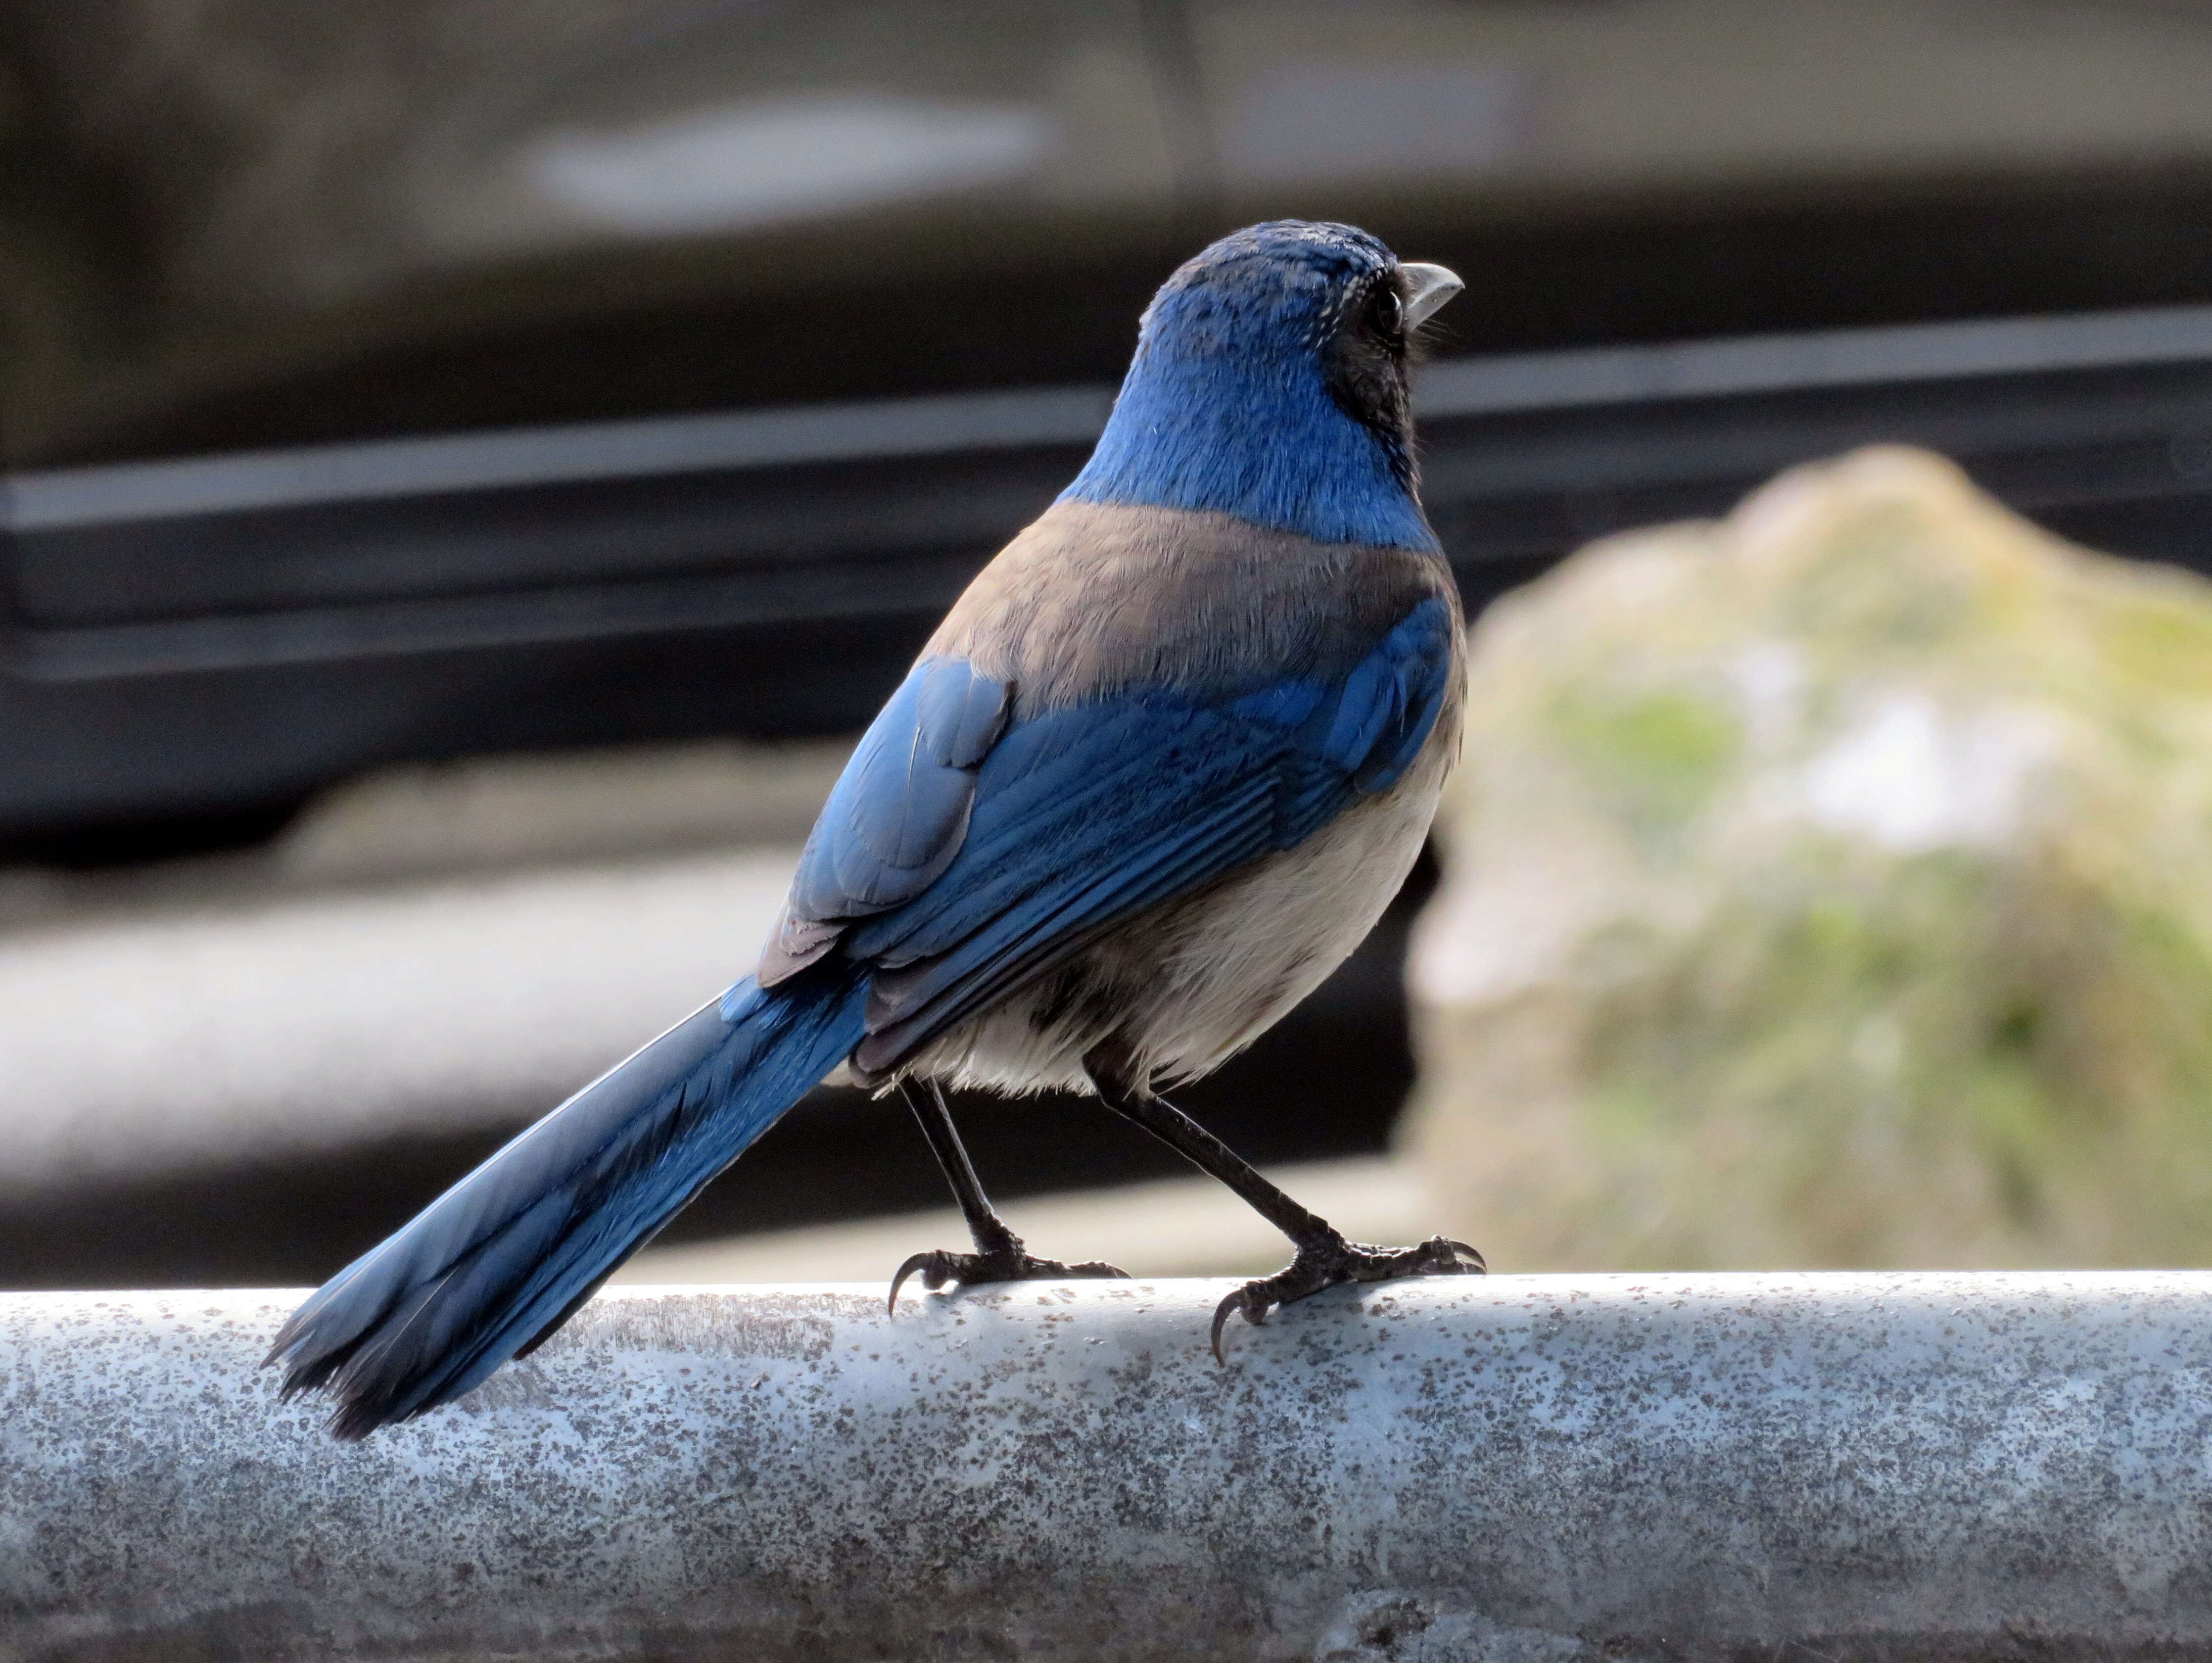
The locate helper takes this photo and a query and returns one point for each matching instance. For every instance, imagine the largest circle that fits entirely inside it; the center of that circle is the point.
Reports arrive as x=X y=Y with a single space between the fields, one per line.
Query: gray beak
x=1427 y=288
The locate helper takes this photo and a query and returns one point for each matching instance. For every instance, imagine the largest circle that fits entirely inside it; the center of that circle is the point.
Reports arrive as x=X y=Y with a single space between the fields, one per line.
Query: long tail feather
x=493 y=1266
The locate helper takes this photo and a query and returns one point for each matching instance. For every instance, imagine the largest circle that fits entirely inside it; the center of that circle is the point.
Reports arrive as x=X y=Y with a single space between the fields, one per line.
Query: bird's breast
x=1179 y=990
x=1244 y=951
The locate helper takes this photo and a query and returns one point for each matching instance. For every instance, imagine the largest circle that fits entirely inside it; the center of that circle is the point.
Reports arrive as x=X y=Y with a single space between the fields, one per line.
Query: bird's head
x=1270 y=382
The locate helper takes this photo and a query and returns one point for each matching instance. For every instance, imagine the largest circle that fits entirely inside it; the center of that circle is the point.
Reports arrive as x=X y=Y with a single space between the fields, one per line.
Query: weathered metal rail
x=1529 y=1468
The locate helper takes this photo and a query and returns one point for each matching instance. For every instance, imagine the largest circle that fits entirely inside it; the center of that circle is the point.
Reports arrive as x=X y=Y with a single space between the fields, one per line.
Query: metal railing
x=1525 y=1468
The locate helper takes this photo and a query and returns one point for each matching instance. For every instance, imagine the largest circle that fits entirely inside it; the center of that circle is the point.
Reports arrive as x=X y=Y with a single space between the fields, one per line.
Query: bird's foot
x=1328 y=1260
x=940 y=1269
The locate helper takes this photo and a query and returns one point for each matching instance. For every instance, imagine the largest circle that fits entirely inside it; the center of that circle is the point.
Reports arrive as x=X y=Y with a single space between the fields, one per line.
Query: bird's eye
x=1390 y=313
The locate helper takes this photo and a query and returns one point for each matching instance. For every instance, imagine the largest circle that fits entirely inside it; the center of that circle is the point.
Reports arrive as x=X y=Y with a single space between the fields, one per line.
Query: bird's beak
x=1427 y=288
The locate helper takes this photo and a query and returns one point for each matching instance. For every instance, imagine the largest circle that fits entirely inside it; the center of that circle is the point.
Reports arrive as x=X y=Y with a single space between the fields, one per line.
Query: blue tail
x=505 y=1256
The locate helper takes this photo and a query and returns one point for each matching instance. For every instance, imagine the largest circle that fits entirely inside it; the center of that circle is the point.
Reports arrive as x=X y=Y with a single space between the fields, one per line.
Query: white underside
x=1188 y=987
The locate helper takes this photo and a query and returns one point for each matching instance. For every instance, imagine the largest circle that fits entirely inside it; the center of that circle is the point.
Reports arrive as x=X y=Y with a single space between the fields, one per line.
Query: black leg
x=985 y=1227
x=1322 y=1258
x=998 y=1255
x=1216 y=1158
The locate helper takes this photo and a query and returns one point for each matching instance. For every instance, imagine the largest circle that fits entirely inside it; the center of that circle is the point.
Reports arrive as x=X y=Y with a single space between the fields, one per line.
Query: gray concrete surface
x=1531 y=1468
x=173 y=1040
x=433 y=949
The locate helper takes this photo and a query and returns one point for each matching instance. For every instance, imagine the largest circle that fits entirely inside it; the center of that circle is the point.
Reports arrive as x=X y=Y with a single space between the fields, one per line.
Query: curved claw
x=938 y=1267
x=1331 y=1260
x=919 y=1262
x=1439 y=1256
x=1248 y=1299
x=1470 y=1258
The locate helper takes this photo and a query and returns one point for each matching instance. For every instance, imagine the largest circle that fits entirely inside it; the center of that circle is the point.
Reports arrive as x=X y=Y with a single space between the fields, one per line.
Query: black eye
x=1388 y=314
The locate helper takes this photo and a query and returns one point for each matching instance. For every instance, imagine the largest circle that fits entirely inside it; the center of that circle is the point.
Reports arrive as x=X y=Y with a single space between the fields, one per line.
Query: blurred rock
x=1830 y=885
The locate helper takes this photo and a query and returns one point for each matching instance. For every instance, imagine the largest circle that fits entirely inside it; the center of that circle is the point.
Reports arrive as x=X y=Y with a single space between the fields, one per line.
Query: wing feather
x=898 y=813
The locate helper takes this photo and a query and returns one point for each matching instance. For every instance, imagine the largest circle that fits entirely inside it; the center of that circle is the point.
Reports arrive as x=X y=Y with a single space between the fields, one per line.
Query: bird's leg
x=1322 y=1258
x=998 y=1255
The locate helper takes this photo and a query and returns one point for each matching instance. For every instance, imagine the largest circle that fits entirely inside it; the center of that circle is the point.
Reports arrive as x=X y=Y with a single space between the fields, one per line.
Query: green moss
x=1659 y=755
x=1877 y=589
x=2157 y=633
x=1772 y=1036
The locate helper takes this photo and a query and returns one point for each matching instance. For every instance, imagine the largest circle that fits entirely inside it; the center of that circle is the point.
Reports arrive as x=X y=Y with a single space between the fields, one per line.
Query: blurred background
x=470 y=465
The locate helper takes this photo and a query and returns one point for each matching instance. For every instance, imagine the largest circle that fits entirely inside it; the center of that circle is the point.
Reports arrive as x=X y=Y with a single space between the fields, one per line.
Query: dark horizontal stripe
x=658 y=447
x=1829 y=358
x=1053 y=416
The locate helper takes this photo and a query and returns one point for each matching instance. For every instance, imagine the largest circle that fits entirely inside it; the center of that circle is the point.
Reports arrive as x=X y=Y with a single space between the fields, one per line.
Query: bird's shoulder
x=1098 y=598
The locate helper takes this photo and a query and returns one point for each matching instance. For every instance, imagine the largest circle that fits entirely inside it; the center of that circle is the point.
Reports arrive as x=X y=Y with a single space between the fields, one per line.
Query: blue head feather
x=1228 y=405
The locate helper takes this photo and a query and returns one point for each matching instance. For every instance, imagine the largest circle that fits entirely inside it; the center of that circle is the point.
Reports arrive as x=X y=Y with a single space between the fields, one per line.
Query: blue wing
x=897 y=816
x=961 y=865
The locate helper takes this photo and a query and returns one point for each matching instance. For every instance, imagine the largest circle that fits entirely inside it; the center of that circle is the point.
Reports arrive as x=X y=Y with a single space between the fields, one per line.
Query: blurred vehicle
x=430 y=381
x=230 y=231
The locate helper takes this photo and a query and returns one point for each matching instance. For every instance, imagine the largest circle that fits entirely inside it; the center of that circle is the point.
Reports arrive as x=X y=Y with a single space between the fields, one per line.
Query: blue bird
x=1157 y=773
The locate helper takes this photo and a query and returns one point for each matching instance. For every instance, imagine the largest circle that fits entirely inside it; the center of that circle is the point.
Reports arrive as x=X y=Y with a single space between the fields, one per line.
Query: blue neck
x=1256 y=436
